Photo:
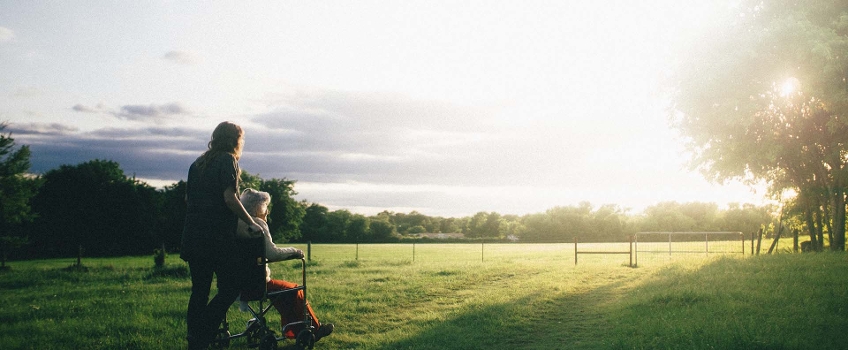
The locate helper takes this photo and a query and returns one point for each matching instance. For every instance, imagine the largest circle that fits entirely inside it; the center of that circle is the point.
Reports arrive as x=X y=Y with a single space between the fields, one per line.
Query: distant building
x=441 y=235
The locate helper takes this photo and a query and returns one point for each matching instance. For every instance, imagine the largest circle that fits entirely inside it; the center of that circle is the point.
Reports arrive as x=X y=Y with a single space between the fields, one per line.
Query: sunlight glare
x=789 y=87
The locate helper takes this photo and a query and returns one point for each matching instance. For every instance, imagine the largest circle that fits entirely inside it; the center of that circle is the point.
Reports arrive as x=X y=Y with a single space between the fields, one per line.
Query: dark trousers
x=204 y=316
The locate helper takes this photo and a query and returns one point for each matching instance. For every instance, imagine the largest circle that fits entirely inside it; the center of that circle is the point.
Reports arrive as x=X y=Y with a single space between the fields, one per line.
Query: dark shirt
x=209 y=223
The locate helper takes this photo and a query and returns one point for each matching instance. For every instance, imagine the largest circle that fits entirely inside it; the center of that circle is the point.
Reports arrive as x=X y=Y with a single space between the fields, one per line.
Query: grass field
x=459 y=296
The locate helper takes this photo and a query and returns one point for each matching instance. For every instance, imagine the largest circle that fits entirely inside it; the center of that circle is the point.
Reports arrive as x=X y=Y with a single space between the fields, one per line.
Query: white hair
x=252 y=200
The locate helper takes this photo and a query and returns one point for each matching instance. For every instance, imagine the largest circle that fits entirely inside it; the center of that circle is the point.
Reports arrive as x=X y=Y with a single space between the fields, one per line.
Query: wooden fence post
x=795 y=240
x=575 y=250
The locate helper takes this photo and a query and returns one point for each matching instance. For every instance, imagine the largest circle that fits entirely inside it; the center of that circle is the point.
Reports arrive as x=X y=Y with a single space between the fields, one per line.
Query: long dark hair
x=227 y=138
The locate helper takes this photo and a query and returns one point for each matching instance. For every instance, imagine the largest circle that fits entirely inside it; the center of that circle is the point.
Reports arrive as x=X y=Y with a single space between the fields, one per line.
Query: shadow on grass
x=176 y=271
x=789 y=302
x=540 y=320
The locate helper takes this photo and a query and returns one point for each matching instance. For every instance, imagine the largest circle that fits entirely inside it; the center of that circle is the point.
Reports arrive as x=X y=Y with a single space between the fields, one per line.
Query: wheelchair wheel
x=254 y=336
x=268 y=342
x=221 y=340
x=305 y=340
x=254 y=332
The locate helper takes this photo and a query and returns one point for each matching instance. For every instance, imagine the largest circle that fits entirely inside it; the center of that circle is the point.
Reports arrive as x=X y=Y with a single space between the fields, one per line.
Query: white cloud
x=6 y=34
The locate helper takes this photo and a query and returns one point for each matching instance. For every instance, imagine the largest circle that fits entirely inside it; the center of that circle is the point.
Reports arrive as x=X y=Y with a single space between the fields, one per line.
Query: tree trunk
x=837 y=241
x=828 y=224
x=819 y=230
x=811 y=226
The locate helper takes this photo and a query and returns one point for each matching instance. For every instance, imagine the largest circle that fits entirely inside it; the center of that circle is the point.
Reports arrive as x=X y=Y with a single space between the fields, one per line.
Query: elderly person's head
x=255 y=202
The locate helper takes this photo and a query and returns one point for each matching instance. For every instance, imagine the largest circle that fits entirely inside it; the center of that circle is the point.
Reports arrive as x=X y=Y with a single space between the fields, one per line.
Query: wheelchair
x=259 y=300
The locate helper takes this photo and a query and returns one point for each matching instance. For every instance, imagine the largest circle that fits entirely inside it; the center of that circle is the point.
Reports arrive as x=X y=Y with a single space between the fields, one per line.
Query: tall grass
x=516 y=297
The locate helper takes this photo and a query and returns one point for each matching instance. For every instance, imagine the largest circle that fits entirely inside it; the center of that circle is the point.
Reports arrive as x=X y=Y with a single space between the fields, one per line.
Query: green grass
x=522 y=296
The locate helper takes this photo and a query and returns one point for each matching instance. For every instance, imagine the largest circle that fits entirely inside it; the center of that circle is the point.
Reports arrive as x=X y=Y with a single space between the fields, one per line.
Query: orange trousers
x=290 y=306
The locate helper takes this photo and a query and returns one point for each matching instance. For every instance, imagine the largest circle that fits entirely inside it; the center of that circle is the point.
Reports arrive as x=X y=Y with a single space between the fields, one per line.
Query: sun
x=789 y=87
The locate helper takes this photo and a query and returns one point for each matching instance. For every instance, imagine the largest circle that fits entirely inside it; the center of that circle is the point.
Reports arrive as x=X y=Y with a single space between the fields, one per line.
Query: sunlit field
x=458 y=296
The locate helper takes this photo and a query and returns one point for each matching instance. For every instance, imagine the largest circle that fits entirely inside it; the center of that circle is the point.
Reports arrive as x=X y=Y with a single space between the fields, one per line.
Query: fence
x=456 y=252
x=604 y=249
x=685 y=243
x=425 y=252
x=645 y=245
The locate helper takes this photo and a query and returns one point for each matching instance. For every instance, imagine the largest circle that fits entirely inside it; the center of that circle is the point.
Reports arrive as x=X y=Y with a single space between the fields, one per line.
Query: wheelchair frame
x=257 y=330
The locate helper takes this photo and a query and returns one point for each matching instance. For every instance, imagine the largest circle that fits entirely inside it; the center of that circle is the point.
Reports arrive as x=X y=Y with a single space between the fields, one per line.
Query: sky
x=447 y=108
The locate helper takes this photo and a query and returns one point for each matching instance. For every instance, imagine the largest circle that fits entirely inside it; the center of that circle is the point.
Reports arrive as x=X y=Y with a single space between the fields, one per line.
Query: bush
x=159 y=257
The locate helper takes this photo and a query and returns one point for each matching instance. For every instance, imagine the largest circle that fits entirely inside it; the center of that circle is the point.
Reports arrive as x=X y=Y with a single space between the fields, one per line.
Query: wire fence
x=459 y=252
x=643 y=248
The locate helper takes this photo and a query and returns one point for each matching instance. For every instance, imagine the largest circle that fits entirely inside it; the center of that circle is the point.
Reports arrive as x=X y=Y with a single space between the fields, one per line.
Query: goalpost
x=670 y=243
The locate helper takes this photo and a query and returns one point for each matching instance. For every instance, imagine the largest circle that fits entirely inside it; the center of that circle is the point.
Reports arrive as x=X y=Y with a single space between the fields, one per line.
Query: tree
x=16 y=190
x=248 y=180
x=286 y=213
x=357 y=229
x=746 y=218
x=314 y=223
x=381 y=230
x=172 y=215
x=764 y=99
x=476 y=225
x=449 y=225
x=338 y=222
x=608 y=223
x=94 y=205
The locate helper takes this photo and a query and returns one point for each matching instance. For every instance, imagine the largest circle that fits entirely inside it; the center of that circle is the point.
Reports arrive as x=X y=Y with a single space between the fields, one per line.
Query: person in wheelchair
x=290 y=308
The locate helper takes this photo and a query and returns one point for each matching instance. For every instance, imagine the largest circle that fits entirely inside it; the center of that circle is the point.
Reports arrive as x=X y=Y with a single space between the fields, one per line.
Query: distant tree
x=381 y=230
x=561 y=224
x=449 y=225
x=94 y=205
x=417 y=229
x=434 y=224
x=484 y=225
x=476 y=225
x=357 y=229
x=746 y=218
x=491 y=228
x=248 y=180
x=313 y=227
x=671 y=216
x=16 y=190
x=172 y=215
x=338 y=222
x=608 y=223
x=286 y=213
x=511 y=226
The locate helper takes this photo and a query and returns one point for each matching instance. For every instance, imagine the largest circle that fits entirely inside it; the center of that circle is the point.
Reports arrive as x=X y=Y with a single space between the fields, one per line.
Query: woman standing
x=213 y=212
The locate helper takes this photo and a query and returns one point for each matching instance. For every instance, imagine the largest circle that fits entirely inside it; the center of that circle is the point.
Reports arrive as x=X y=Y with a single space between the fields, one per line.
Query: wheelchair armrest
x=284 y=291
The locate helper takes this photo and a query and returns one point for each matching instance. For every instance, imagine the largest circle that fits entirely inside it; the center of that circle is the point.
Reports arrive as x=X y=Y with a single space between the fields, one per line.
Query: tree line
x=95 y=209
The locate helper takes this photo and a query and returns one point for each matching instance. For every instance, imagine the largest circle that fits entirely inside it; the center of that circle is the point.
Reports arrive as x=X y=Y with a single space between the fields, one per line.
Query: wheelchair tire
x=254 y=336
x=305 y=340
x=221 y=340
x=268 y=342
